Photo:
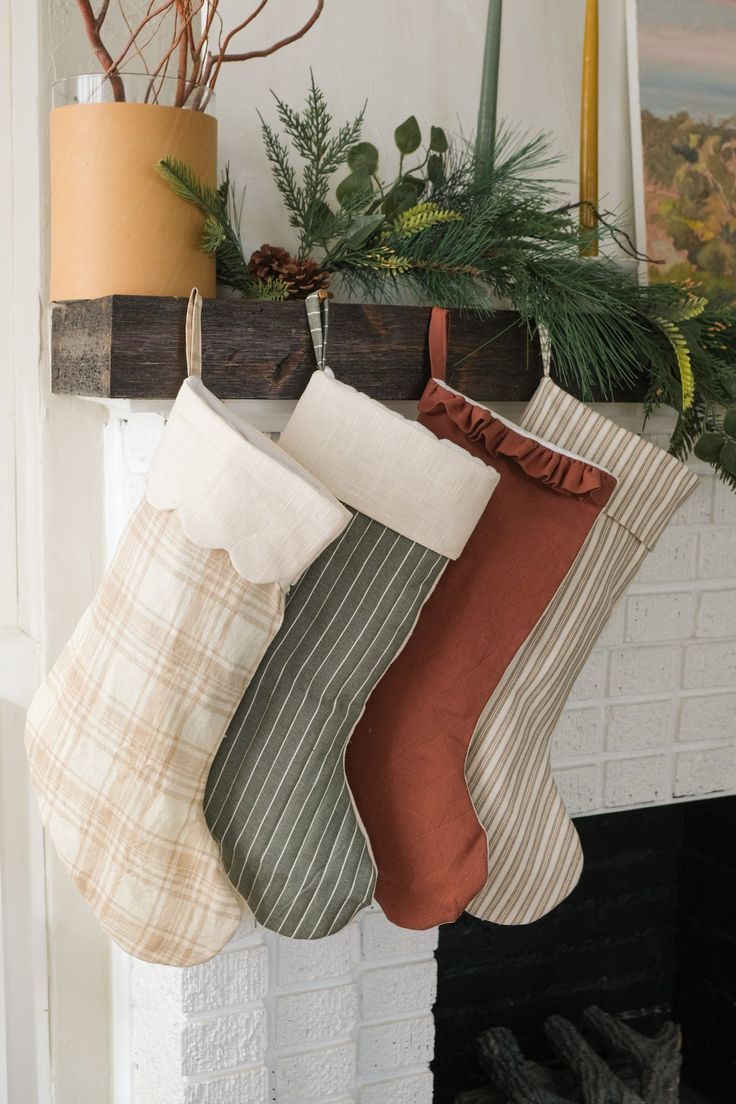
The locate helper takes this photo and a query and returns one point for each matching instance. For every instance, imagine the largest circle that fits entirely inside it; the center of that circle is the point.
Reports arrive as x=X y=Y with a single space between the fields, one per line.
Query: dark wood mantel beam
x=132 y=347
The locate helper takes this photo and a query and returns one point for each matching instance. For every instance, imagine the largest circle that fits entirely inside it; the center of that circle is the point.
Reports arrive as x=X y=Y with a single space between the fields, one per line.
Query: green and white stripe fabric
x=276 y=801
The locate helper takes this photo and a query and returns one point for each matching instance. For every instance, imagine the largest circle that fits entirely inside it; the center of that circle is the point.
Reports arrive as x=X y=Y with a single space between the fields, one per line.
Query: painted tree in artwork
x=690 y=172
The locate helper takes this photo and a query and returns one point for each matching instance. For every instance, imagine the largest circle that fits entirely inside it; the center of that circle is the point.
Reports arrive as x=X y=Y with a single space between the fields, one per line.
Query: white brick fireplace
x=348 y=1020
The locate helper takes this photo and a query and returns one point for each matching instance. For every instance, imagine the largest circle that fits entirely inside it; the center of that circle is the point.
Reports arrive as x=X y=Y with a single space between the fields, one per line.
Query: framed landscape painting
x=682 y=56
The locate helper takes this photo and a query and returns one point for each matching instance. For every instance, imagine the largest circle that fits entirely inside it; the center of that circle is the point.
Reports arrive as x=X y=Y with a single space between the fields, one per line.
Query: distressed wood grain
x=132 y=347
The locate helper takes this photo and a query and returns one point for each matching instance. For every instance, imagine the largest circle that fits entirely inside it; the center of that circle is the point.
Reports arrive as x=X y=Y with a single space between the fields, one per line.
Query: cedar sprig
x=322 y=152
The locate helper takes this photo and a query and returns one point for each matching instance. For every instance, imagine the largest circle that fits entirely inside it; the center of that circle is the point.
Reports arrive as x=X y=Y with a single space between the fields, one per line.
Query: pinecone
x=300 y=277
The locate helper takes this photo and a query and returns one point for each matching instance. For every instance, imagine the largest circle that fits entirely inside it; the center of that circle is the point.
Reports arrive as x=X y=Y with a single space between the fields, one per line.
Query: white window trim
x=24 y=1030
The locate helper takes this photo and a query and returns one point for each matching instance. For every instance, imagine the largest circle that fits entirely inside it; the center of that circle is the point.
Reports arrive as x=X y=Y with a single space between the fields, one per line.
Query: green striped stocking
x=276 y=800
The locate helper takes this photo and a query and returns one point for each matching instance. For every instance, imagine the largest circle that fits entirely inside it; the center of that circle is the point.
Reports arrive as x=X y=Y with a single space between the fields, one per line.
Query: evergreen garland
x=462 y=228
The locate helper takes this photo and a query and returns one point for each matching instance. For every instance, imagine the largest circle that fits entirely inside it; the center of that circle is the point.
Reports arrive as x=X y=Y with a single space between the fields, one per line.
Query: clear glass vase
x=96 y=88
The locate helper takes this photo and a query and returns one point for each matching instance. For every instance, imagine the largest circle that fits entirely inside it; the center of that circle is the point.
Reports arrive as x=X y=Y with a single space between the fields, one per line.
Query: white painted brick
x=220 y=1043
x=718 y=553
x=301 y=960
x=708 y=717
x=396 y=989
x=156 y=1035
x=639 y=725
x=158 y=985
x=591 y=681
x=233 y=977
x=382 y=939
x=653 y=617
x=717 y=613
x=710 y=665
x=248 y=1087
x=315 y=1074
x=416 y=1089
x=698 y=508
x=141 y=436
x=395 y=1044
x=578 y=734
x=580 y=788
x=136 y=488
x=673 y=558
x=705 y=771
x=363 y=994
x=315 y=1014
x=613 y=633
x=637 y=671
x=637 y=781
x=724 y=504
x=246 y=929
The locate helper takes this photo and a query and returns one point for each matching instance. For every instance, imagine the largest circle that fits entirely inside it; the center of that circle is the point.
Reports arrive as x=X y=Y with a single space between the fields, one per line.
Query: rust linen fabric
x=406 y=760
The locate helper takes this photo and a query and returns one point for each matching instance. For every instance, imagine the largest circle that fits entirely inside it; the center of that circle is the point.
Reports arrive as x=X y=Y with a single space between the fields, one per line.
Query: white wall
x=422 y=58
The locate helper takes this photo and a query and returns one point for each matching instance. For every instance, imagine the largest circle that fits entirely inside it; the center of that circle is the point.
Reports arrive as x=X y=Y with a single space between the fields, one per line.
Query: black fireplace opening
x=648 y=936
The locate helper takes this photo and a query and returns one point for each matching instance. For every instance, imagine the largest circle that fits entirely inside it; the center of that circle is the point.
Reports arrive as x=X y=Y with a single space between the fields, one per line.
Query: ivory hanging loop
x=194 y=334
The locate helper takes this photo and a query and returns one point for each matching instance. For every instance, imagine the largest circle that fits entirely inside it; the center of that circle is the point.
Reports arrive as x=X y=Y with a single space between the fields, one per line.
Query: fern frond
x=693 y=307
x=384 y=259
x=421 y=217
x=684 y=361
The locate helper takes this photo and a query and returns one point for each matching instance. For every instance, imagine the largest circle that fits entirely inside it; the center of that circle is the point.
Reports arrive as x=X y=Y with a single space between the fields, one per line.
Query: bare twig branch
x=198 y=65
x=101 y=14
x=225 y=57
x=215 y=60
x=101 y=52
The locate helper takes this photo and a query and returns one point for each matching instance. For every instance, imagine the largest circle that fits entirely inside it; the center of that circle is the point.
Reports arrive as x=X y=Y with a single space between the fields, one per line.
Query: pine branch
x=220 y=230
x=184 y=183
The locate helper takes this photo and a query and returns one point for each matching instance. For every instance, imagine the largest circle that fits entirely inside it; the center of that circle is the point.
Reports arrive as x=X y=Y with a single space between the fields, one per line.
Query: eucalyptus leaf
x=322 y=221
x=729 y=423
x=727 y=457
x=362 y=227
x=400 y=198
x=708 y=447
x=353 y=186
x=417 y=182
x=408 y=136
x=438 y=140
x=435 y=170
x=363 y=157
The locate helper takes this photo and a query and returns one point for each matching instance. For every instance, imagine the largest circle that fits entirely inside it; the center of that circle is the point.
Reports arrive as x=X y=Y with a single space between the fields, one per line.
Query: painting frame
x=683 y=141
x=637 y=136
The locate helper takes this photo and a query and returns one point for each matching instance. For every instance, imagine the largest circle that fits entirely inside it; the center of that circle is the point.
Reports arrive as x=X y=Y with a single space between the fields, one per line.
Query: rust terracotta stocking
x=406 y=760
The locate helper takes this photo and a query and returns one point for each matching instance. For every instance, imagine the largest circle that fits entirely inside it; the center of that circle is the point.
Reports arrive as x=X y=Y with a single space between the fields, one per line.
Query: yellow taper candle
x=589 y=126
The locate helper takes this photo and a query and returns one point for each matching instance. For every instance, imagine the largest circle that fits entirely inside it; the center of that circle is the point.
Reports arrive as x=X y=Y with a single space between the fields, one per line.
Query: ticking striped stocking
x=276 y=799
x=431 y=852
x=121 y=735
x=534 y=851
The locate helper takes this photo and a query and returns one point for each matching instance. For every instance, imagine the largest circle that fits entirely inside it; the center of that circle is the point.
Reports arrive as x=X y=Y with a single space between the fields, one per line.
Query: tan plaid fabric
x=121 y=736
x=535 y=858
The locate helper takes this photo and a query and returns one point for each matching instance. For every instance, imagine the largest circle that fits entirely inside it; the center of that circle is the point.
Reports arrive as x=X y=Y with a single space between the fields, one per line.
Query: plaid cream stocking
x=121 y=734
